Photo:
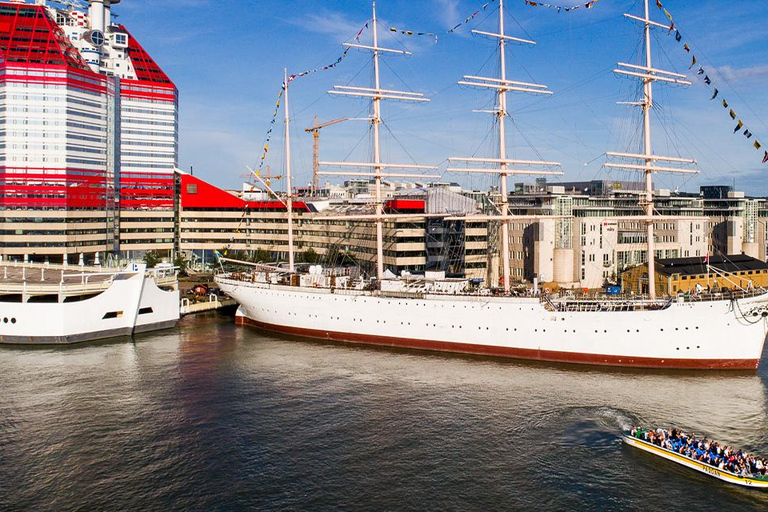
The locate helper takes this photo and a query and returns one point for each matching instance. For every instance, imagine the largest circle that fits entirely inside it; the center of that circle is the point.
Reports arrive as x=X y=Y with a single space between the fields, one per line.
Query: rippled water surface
x=217 y=417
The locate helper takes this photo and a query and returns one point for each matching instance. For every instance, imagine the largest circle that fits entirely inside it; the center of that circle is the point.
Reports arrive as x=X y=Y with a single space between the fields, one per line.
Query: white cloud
x=449 y=12
x=747 y=74
x=329 y=23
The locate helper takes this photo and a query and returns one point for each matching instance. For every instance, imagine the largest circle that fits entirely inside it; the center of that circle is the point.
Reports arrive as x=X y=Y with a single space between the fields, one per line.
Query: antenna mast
x=649 y=75
x=502 y=87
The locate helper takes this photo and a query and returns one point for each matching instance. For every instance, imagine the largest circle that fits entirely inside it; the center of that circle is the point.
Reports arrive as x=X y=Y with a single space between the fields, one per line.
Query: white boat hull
x=129 y=305
x=695 y=335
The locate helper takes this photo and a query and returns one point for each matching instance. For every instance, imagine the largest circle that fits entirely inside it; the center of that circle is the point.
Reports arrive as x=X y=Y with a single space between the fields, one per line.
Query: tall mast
x=502 y=86
x=502 y=114
x=289 y=202
x=649 y=75
x=315 y=157
x=376 y=121
x=647 y=104
x=377 y=168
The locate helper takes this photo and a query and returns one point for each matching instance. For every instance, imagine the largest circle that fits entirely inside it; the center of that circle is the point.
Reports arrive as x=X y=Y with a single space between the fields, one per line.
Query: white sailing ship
x=708 y=332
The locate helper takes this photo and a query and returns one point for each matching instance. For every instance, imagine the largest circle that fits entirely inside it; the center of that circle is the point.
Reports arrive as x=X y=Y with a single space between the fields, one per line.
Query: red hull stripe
x=516 y=353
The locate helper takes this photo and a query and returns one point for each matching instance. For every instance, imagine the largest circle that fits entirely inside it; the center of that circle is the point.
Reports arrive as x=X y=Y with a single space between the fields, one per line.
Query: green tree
x=261 y=256
x=308 y=256
x=181 y=263
x=152 y=258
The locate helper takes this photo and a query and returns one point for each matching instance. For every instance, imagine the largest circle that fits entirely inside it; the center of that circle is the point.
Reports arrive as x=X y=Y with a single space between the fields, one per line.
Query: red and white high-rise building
x=88 y=134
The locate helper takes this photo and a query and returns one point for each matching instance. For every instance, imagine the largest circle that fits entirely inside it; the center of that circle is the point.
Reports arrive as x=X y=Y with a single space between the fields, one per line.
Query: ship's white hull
x=128 y=306
x=700 y=335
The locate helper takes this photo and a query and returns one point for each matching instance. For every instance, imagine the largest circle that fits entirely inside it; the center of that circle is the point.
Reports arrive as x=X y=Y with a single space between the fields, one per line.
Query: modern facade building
x=88 y=135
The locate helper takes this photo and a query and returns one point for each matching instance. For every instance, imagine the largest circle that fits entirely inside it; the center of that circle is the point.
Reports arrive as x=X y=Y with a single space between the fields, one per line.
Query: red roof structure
x=29 y=35
x=145 y=66
x=197 y=194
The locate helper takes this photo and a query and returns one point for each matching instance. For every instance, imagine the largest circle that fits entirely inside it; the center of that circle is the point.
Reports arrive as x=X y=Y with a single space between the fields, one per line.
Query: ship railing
x=552 y=302
x=52 y=288
x=52 y=266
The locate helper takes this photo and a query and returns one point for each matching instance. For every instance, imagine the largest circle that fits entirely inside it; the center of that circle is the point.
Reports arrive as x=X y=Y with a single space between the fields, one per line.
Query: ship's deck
x=26 y=280
x=568 y=301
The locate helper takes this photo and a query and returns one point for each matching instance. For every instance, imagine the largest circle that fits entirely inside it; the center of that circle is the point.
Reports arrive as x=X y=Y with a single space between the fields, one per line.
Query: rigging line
x=592 y=78
x=663 y=50
x=703 y=155
x=393 y=35
x=488 y=15
x=554 y=134
x=491 y=55
x=368 y=64
x=402 y=146
x=525 y=138
x=526 y=110
x=509 y=15
x=397 y=75
x=577 y=27
x=362 y=137
x=408 y=108
x=430 y=141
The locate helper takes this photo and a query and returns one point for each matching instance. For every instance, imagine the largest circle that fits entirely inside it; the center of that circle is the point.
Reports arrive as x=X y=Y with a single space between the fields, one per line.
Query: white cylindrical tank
x=96 y=14
x=751 y=249
x=563 y=266
x=108 y=12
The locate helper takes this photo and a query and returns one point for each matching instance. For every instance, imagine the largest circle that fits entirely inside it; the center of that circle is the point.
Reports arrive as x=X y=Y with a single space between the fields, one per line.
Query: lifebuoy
x=547 y=291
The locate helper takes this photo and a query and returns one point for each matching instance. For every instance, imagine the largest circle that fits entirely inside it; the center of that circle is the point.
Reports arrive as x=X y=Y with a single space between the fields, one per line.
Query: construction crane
x=315 y=130
x=266 y=176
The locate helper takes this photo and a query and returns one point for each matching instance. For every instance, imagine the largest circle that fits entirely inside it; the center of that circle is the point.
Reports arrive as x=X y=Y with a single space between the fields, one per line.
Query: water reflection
x=212 y=415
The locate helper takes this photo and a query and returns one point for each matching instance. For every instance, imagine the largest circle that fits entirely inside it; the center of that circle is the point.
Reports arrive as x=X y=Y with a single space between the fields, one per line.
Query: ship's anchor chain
x=754 y=314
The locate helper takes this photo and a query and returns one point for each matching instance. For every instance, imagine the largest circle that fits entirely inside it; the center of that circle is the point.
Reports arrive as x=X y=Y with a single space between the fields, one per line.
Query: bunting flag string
x=412 y=33
x=332 y=65
x=291 y=78
x=747 y=133
x=268 y=136
x=470 y=17
x=559 y=8
x=530 y=3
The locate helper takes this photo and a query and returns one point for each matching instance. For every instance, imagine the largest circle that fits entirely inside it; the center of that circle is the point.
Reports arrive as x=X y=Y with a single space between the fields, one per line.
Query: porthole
x=13 y=320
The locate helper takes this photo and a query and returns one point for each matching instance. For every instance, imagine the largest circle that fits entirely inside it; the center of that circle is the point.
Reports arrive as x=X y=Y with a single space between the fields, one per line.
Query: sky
x=227 y=59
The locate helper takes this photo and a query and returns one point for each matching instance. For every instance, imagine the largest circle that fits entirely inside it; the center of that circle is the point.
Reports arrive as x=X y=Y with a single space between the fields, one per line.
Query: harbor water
x=212 y=416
